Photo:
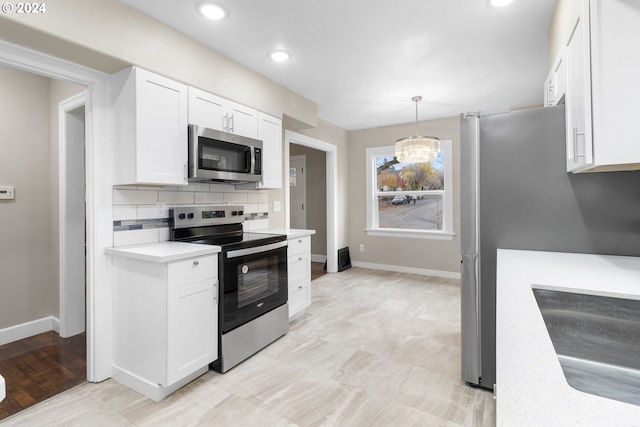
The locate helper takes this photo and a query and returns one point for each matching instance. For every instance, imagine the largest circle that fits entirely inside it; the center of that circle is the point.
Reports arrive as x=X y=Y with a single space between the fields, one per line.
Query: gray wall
x=439 y=255
x=29 y=161
x=316 y=195
x=25 y=246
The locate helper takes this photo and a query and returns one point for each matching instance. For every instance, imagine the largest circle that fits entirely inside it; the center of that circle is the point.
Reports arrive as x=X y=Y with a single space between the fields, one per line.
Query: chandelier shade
x=415 y=149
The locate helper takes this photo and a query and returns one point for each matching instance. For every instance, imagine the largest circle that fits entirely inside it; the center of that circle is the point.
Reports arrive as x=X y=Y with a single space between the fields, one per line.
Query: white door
x=298 y=191
x=72 y=217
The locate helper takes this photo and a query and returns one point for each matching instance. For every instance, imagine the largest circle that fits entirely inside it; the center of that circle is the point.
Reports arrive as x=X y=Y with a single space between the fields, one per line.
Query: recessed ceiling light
x=212 y=11
x=499 y=3
x=280 y=55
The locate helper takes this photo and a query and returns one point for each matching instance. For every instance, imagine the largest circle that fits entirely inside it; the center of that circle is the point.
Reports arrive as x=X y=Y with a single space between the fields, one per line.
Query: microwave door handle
x=250 y=159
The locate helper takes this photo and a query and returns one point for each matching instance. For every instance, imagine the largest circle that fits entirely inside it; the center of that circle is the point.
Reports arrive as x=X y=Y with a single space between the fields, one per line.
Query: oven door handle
x=256 y=249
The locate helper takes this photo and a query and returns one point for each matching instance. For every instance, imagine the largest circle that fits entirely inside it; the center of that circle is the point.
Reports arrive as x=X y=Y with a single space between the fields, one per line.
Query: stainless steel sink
x=597 y=341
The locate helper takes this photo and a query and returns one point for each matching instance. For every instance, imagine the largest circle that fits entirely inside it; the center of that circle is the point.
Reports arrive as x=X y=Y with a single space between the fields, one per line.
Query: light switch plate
x=7 y=192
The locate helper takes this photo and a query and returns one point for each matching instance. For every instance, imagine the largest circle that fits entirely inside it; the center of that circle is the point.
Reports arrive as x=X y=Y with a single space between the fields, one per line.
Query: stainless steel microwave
x=223 y=157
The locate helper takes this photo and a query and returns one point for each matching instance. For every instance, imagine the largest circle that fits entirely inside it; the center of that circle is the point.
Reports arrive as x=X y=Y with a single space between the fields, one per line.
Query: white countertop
x=531 y=387
x=163 y=251
x=291 y=233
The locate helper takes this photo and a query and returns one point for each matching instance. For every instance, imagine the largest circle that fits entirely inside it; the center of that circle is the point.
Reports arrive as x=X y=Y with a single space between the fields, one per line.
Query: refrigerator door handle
x=470 y=319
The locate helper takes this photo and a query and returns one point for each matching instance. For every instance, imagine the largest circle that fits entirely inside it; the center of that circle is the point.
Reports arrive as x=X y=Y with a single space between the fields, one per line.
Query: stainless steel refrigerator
x=516 y=194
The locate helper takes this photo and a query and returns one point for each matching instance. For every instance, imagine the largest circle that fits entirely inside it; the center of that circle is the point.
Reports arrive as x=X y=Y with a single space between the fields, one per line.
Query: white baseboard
x=411 y=270
x=153 y=391
x=29 y=329
x=318 y=258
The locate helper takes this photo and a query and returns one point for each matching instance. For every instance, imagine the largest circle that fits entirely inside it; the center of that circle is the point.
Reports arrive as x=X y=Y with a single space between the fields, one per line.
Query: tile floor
x=374 y=349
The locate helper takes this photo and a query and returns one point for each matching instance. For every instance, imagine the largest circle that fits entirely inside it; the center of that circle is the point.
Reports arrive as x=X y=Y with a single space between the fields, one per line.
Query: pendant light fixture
x=415 y=149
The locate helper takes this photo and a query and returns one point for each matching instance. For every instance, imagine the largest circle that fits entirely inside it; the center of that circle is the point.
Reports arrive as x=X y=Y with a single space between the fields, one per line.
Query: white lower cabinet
x=166 y=322
x=299 y=275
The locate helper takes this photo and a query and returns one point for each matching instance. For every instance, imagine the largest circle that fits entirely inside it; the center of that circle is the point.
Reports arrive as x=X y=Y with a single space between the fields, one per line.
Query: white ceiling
x=362 y=61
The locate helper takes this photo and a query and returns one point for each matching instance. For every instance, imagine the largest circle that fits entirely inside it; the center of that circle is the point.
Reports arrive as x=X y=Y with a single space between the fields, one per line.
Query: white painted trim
x=447 y=232
x=151 y=390
x=332 y=190
x=318 y=258
x=410 y=270
x=28 y=329
x=99 y=165
x=65 y=107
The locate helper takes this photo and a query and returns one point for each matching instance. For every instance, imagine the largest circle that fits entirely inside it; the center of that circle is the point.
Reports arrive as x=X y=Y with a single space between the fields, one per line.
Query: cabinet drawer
x=299 y=268
x=192 y=270
x=299 y=298
x=299 y=245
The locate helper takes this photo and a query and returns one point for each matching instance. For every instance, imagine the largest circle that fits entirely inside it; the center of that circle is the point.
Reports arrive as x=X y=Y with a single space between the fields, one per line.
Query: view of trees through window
x=410 y=195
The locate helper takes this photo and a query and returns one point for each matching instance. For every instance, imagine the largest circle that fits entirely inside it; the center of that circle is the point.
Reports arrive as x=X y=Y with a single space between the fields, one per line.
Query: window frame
x=373 y=229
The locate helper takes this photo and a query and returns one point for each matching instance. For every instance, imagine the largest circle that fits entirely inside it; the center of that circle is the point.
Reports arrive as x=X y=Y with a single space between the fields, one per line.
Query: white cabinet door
x=556 y=83
x=270 y=133
x=149 y=128
x=192 y=339
x=215 y=112
x=559 y=79
x=206 y=110
x=578 y=97
x=161 y=124
x=242 y=120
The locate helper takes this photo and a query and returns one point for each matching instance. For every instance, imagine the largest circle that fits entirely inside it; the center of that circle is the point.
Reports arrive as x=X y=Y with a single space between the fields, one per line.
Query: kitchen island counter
x=531 y=387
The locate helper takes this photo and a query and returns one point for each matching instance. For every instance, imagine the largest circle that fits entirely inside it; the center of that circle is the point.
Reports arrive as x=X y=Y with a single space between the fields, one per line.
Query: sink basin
x=597 y=341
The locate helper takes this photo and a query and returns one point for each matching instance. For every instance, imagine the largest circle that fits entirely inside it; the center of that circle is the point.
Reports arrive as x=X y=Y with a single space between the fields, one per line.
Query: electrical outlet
x=276 y=206
x=361 y=247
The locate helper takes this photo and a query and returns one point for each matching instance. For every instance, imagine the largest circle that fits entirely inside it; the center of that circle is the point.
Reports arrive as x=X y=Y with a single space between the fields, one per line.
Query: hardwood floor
x=374 y=348
x=317 y=270
x=40 y=367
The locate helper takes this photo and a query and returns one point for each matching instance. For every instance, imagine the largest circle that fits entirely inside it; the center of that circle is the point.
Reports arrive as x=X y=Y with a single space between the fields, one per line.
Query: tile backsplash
x=141 y=213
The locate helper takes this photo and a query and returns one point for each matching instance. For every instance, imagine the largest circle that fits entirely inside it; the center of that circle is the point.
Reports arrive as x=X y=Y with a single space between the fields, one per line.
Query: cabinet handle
x=231 y=123
x=196 y=262
x=299 y=241
x=299 y=287
x=225 y=123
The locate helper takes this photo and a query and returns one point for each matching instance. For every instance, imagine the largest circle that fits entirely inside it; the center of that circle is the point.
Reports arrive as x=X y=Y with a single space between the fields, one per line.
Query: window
x=409 y=199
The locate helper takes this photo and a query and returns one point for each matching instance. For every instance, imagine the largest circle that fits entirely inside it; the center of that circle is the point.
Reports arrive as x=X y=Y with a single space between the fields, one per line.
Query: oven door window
x=253 y=285
x=223 y=156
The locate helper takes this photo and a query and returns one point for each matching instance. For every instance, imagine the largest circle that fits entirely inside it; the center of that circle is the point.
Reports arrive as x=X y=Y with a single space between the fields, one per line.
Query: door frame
x=332 y=190
x=99 y=193
x=72 y=311
x=302 y=158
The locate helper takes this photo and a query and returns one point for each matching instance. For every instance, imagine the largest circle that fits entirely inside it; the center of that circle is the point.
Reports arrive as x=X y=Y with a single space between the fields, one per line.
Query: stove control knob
x=240 y=212
x=190 y=216
x=181 y=216
x=234 y=213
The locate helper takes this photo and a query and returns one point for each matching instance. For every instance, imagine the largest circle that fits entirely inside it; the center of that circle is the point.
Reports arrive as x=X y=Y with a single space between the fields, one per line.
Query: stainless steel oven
x=252 y=269
x=254 y=281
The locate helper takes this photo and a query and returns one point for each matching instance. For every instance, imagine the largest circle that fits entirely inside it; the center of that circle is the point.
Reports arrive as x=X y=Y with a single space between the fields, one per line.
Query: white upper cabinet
x=214 y=112
x=270 y=133
x=603 y=88
x=578 y=100
x=556 y=83
x=149 y=118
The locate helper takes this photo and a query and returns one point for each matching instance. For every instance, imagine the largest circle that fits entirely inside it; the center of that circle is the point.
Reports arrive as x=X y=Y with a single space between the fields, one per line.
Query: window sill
x=411 y=234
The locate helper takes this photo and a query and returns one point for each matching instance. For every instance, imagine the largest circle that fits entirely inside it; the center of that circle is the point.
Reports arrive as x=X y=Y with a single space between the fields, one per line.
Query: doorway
x=298 y=191
x=331 y=167
x=45 y=281
x=72 y=214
